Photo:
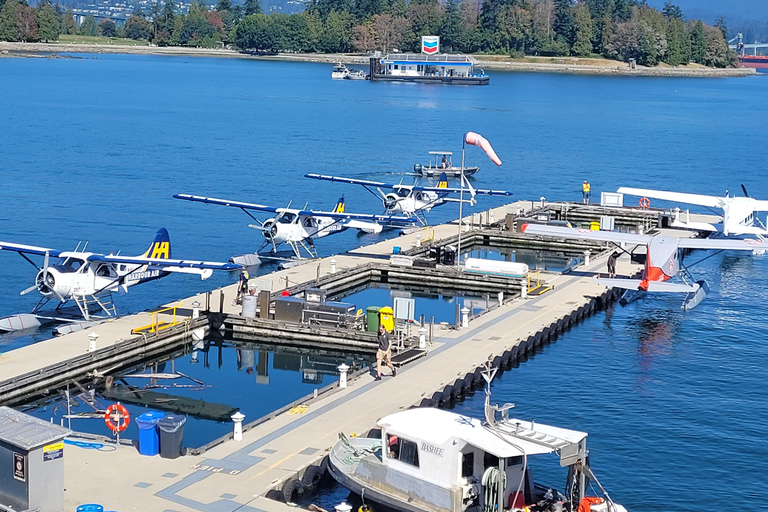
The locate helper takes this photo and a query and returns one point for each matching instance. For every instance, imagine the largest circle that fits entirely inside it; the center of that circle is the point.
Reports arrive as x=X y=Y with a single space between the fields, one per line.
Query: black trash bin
x=171 y=435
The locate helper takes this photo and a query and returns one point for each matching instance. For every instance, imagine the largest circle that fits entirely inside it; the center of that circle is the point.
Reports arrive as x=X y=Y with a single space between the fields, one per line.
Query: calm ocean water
x=93 y=148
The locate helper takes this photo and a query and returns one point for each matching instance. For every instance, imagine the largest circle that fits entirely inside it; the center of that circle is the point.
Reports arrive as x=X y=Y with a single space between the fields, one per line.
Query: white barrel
x=497 y=267
x=249 y=306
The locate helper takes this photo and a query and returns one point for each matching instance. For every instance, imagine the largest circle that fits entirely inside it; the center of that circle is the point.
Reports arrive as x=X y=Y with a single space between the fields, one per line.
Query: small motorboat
x=443 y=165
x=428 y=459
x=356 y=74
x=340 y=72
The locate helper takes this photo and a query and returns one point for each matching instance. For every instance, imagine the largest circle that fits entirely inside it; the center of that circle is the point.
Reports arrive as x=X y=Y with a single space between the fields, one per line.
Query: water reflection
x=254 y=378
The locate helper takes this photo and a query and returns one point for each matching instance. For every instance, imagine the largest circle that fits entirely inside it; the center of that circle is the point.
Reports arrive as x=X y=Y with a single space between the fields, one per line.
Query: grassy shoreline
x=487 y=62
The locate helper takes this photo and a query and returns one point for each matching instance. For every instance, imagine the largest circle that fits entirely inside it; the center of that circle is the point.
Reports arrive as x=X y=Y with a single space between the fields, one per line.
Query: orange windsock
x=478 y=140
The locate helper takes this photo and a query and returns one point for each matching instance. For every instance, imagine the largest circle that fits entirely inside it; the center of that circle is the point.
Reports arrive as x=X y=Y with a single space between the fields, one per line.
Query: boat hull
x=757 y=62
x=445 y=80
x=451 y=172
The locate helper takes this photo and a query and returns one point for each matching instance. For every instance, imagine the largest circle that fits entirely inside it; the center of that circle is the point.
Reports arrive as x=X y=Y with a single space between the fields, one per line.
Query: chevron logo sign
x=430 y=44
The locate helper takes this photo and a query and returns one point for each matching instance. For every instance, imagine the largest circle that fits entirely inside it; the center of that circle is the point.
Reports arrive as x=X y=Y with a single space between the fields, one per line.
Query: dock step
x=407 y=356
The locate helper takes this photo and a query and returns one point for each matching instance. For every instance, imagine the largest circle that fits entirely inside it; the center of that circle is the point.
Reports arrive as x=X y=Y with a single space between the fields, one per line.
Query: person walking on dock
x=586 y=190
x=242 y=287
x=612 y=263
x=384 y=354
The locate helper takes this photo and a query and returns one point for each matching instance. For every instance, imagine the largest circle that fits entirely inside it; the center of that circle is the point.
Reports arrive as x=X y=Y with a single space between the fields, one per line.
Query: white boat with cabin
x=451 y=69
x=429 y=459
x=443 y=164
x=340 y=72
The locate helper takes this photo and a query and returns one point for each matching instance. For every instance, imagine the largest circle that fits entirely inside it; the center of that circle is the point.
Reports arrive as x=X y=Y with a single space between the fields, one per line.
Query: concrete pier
x=279 y=456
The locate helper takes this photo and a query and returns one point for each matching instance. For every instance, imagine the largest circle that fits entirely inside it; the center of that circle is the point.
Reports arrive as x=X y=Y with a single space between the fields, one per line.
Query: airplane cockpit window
x=402 y=192
x=287 y=218
x=308 y=222
x=106 y=271
x=71 y=265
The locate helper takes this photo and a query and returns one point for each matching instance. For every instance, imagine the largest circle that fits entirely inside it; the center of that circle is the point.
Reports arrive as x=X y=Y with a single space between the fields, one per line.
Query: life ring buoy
x=117 y=417
x=645 y=202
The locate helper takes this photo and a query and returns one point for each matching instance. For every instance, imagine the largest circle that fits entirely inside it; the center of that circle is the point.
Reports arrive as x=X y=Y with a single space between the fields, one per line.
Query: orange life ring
x=121 y=415
x=645 y=202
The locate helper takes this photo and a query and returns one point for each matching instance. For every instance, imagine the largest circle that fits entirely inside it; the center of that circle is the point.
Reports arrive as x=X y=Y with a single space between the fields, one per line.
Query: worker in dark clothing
x=612 y=263
x=242 y=287
x=384 y=354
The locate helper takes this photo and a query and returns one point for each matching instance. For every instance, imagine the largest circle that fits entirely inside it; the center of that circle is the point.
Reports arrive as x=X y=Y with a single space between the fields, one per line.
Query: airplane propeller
x=745 y=190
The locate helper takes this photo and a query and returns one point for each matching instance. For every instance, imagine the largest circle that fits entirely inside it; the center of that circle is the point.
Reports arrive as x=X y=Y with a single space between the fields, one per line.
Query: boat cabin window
x=403 y=450
x=492 y=461
x=468 y=464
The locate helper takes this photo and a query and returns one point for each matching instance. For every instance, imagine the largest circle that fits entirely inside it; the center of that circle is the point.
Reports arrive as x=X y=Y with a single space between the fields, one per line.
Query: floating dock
x=281 y=454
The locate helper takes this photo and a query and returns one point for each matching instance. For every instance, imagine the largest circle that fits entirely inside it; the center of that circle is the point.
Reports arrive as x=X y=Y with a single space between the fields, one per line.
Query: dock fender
x=449 y=393
x=469 y=379
x=460 y=386
x=438 y=399
x=274 y=494
x=513 y=353
x=427 y=402
x=311 y=477
x=292 y=489
x=497 y=362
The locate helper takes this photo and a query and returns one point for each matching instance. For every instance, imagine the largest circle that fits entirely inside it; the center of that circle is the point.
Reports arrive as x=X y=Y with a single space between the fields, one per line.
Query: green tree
x=336 y=35
x=582 y=21
x=195 y=27
x=68 y=24
x=256 y=32
x=224 y=5
x=165 y=24
x=563 y=24
x=88 y=27
x=364 y=9
x=252 y=7
x=9 y=27
x=678 y=43
x=671 y=11
x=720 y=24
x=698 y=43
x=451 y=29
x=137 y=27
x=107 y=28
x=48 y=23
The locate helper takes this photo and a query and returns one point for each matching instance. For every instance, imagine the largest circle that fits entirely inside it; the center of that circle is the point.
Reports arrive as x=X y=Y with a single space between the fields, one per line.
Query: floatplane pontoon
x=428 y=459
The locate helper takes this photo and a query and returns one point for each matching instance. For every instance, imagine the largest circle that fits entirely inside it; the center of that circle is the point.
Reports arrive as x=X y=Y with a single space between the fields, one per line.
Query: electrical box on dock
x=31 y=462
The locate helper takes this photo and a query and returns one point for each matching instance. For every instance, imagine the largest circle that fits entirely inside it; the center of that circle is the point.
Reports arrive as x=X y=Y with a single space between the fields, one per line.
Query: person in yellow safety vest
x=585 y=191
x=242 y=289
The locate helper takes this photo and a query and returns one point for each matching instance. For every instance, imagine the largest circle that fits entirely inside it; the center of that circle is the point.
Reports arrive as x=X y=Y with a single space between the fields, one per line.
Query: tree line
x=617 y=29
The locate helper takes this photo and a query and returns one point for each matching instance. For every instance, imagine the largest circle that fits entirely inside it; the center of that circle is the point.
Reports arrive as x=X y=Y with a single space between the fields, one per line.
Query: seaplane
x=663 y=259
x=88 y=279
x=737 y=213
x=297 y=228
x=414 y=201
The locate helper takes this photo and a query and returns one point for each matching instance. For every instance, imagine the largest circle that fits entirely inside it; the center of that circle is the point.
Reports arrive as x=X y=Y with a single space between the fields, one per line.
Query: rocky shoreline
x=551 y=65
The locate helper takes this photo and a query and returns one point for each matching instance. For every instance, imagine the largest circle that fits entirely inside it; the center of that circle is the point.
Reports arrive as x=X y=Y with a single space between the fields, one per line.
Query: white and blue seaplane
x=663 y=259
x=737 y=214
x=297 y=228
x=415 y=200
x=88 y=279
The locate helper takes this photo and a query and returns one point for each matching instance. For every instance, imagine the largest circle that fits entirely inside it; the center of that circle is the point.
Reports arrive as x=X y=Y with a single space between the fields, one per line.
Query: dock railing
x=156 y=324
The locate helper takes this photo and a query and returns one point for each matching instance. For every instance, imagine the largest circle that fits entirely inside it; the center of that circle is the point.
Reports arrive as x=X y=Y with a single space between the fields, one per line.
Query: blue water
x=94 y=148
x=255 y=379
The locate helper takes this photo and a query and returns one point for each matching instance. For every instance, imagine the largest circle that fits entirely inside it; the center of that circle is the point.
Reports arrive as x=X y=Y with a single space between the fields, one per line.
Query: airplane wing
x=367 y=183
x=710 y=201
x=759 y=206
x=454 y=190
x=28 y=249
x=166 y=264
x=747 y=244
x=585 y=234
x=653 y=286
x=359 y=216
x=227 y=202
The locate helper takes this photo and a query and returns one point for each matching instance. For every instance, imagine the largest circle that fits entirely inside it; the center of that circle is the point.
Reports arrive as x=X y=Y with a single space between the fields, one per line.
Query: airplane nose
x=46 y=282
x=390 y=201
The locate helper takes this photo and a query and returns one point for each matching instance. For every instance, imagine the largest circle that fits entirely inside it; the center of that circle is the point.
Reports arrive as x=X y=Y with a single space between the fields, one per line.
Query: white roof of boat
x=436 y=426
x=440 y=153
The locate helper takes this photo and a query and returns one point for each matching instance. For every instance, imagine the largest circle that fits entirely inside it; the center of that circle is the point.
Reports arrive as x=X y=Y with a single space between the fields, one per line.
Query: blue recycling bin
x=90 y=507
x=396 y=249
x=149 y=439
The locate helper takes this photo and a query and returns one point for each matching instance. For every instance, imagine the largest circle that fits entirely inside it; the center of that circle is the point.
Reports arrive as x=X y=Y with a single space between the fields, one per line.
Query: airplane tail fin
x=340 y=206
x=443 y=183
x=161 y=247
